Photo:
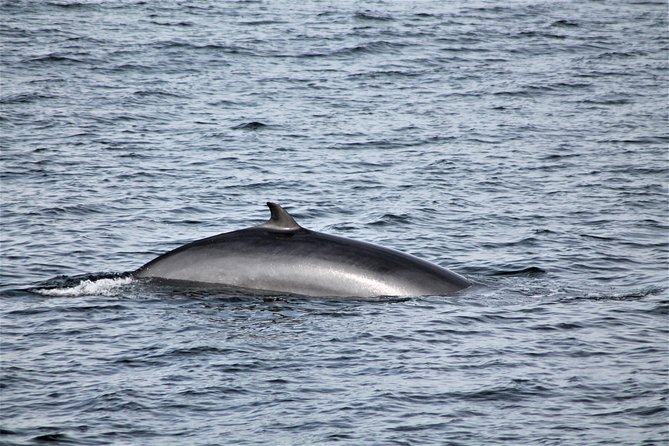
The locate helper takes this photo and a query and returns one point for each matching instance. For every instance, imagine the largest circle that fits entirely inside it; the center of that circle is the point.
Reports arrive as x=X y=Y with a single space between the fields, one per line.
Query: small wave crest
x=84 y=286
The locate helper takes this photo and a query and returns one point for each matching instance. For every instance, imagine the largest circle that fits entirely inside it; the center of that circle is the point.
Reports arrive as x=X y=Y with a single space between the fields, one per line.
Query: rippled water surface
x=523 y=144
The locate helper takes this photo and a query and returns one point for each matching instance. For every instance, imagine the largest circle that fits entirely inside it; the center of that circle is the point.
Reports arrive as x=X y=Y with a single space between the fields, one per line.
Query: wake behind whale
x=281 y=256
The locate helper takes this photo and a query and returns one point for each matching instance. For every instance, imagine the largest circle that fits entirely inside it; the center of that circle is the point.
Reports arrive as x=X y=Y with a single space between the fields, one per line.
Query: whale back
x=281 y=256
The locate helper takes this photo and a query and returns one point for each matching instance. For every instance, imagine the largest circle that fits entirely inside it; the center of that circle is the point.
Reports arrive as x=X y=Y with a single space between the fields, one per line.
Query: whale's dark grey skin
x=281 y=256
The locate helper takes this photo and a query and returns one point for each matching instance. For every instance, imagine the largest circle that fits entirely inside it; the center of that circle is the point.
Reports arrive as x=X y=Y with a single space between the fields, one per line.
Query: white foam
x=99 y=287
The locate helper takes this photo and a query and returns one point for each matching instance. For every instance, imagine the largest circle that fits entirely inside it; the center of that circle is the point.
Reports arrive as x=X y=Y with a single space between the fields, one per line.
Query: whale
x=280 y=256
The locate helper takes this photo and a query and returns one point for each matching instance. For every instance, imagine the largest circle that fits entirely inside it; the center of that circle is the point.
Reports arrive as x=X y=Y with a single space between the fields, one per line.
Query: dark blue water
x=523 y=144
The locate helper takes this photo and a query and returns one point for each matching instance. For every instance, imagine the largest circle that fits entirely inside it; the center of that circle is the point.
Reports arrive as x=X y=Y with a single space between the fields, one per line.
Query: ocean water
x=523 y=144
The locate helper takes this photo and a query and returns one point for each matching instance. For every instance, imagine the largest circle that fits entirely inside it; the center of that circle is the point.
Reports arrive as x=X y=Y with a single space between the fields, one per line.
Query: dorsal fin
x=280 y=220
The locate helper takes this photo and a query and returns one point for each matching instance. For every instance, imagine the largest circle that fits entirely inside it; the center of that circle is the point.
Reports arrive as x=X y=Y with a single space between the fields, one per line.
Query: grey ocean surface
x=523 y=144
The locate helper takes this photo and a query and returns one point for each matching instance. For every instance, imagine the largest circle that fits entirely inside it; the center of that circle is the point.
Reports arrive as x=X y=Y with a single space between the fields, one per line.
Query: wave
x=530 y=271
x=112 y=284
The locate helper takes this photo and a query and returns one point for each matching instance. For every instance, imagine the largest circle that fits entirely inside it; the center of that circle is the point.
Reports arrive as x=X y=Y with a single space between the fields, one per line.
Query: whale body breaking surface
x=281 y=256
